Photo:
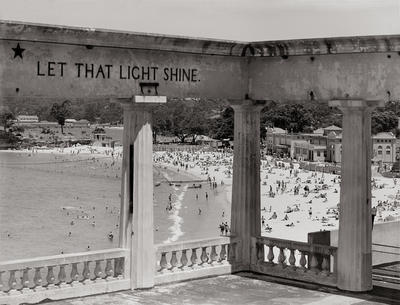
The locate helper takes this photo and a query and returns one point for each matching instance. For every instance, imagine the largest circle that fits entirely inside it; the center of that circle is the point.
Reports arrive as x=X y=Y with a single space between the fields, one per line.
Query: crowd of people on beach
x=291 y=197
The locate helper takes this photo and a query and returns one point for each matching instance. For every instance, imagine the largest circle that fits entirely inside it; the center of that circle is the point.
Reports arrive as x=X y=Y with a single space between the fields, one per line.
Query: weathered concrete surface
x=246 y=206
x=358 y=75
x=76 y=71
x=292 y=70
x=230 y=289
x=385 y=244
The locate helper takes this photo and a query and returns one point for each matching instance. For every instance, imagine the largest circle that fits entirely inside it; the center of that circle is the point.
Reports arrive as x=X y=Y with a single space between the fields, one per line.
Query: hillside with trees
x=188 y=118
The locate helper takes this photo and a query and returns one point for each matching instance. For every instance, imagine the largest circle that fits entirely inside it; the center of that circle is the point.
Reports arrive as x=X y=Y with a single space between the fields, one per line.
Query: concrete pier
x=246 y=209
x=136 y=223
x=355 y=227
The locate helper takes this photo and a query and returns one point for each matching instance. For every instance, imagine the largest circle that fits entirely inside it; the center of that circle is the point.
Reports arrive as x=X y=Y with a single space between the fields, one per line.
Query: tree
x=6 y=118
x=292 y=117
x=382 y=121
x=222 y=126
x=60 y=112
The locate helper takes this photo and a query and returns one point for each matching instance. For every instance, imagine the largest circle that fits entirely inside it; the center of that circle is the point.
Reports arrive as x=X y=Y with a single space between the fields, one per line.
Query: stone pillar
x=136 y=215
x=354 y=262
x=245 y=209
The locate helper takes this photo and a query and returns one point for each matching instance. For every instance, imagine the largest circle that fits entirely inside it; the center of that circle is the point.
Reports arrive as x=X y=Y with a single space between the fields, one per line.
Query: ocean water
x=53 y=203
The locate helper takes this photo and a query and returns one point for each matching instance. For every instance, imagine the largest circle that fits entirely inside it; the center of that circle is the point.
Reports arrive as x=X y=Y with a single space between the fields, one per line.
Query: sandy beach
x=74 y=199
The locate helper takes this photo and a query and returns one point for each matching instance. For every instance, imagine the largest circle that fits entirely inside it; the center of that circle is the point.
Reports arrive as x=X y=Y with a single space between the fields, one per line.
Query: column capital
x=248 y=104
x=356 y=103
x=141 y=101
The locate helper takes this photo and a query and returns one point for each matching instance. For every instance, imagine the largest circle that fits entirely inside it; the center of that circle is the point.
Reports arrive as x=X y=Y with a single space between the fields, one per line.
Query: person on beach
x=222 y=228
x=206 y=196
x=226 y=227
x=310 y=213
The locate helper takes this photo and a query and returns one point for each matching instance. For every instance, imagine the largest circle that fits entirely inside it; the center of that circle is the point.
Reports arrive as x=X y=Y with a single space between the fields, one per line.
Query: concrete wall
x=385 y=233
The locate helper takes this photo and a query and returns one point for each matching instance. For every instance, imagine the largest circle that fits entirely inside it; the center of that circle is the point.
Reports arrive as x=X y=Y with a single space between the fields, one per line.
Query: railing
x=294 y=260
x=63 y=276
x=195 y=259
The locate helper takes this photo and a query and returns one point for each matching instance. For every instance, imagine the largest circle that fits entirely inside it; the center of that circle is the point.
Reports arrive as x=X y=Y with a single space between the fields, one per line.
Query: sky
x=241 y=20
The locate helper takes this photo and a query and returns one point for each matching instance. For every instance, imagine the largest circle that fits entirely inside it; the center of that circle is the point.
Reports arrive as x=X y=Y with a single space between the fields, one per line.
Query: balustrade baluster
x=282 y=257
x=325 y=266
x=116 y=267
x=86 y=271
x=271 y=255
x=62 y=277
x=12 y=281
x=313 y=262
x=37 y=278
x=98 y=272
x=204 y=256
x=232 y=252
x=184 y=259
x=292 y=259
x=163 y=261
x=193 y=258
x=25 y=279
x=213 y=254
x=121 y=267
x=50 y=278
x=260 y=252
x=74 y=274
x=222 y=254
x=109 y=269
x=1 y=282
x=174 y=261
x=303 y=261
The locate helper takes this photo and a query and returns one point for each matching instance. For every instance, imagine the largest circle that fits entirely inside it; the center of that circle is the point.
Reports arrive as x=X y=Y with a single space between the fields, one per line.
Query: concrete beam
x=373 y=76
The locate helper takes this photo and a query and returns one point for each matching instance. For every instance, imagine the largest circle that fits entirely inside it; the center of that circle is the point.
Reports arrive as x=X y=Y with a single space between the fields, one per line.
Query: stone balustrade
x=195 y=259
x=294 y=260
x=63 y=276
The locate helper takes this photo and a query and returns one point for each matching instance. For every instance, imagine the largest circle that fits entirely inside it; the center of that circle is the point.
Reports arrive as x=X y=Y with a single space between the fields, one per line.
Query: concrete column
x=246 y=210
x=354 y=264
x=136 y=216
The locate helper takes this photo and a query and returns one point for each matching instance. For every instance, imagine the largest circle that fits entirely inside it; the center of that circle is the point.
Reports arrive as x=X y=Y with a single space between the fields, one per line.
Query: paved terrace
x=241 y=289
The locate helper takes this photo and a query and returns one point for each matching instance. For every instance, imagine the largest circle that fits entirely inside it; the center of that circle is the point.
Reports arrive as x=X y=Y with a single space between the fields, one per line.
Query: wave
x=176 y=228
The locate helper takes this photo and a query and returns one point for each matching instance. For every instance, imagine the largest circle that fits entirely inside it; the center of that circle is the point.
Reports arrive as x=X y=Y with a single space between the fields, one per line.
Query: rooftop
x=240 y=289
x=384 y=135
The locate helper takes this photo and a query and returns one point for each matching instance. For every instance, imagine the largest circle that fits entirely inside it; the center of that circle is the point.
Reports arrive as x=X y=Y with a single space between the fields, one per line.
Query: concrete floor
x=230 y=289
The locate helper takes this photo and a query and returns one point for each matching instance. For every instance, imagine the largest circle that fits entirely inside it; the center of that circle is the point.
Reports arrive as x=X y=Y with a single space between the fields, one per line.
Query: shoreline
x=197 y=211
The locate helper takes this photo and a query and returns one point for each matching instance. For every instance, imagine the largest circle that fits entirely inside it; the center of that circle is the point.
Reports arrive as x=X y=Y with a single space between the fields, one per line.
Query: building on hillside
x=46 y=124
x=282 y=143
x=26 y=119
x=305 y=151
x=100 y=138
x=384 y=147
x=325 y=145
x=334 y=147
x=205 y=140
x=81 y=123
x=69 y=122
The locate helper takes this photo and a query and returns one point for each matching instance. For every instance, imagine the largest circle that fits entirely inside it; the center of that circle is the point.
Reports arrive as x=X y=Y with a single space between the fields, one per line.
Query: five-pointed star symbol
x=18 y=51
